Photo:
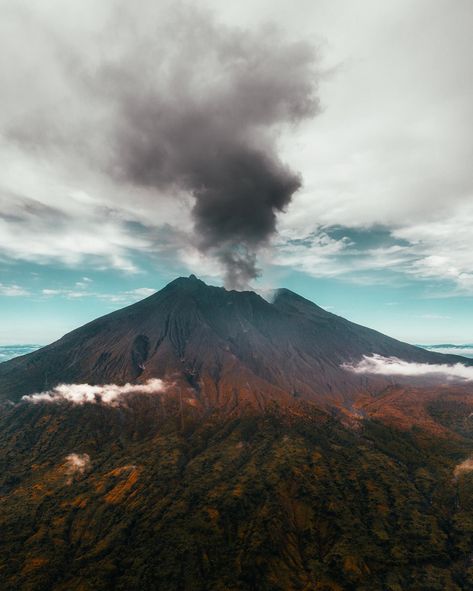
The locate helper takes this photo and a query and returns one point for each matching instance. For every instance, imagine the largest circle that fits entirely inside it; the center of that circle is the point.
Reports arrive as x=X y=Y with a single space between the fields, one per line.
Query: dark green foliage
x=257 y=502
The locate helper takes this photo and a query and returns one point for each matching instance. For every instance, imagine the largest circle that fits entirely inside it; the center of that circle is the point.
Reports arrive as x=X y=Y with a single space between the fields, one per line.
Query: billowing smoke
x=165 y=99
x=392 y=366
x=110 y=394
x=76 y=464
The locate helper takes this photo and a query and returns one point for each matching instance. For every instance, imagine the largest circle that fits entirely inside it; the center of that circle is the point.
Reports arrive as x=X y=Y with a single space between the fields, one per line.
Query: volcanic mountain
x=262 y=465
x=227 y=348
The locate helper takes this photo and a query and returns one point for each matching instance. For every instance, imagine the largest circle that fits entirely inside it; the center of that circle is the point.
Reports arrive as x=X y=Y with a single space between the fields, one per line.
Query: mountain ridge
x=221 y=344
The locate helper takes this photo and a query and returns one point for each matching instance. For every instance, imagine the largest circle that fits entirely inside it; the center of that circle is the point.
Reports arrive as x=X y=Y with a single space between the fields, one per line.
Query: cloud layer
x=172 y=105
x=109 y=394
x=463 y=350
x=98 y=166
x=392 y=366
x=10 y=351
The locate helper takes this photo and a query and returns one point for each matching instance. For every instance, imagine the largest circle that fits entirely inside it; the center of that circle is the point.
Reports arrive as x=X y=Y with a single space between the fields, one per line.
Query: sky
x=323 y=146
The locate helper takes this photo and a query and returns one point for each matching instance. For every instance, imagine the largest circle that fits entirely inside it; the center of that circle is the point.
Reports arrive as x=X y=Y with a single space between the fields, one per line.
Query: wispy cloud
x=463 y=350
x=12 y=290
x=109 y=394
x=81 y=291
x=437 y=250
x=405 y=167
x=434 y=316
x=11 y=351
x=76 y=464
x=392 y=366
x=465 y=466
x=131 y=295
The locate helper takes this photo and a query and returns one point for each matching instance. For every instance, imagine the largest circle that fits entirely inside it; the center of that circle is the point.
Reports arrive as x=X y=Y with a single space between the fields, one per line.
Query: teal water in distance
x=450 y=349
x=9 y=351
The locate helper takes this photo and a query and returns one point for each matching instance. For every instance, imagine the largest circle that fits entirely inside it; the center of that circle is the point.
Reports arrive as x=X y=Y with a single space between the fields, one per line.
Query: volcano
x=263 y=464
x=226 y=347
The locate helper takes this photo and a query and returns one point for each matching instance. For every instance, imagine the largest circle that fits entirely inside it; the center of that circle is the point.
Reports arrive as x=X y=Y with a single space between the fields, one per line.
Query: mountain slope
x=263 y=465
x=267 y=502
x=227 y=348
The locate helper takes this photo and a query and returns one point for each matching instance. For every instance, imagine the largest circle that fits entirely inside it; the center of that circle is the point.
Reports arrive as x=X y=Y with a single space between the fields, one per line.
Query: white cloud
x=313 y=253
x=110 y=394
x=443 y=249
x=126 y=296
x=12 y=290
x=463 y=350
x=76 y=464
x=82 y=291
x=439 y=250
x=392 y=366
x=465 y=466
x=435 y=316
x=392 y=146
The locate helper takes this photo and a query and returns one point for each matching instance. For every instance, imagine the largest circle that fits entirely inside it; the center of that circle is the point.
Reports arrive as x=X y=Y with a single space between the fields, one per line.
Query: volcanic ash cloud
x=168 y=102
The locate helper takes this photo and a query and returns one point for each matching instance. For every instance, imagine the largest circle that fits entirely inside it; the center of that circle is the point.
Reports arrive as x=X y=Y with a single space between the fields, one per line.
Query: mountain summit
x=225 y=347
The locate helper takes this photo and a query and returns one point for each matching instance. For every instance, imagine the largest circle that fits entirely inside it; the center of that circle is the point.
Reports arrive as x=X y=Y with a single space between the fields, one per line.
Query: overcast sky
x=325 y=146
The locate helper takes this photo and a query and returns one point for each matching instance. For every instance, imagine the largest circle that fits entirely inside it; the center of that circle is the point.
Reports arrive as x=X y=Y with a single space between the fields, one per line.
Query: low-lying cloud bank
x=463 y=350
x=110 y=394
x=10 y=351
x=392 y=366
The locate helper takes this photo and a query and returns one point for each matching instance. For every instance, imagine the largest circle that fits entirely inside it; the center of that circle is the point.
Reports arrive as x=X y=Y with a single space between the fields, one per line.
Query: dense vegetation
x=275 y=501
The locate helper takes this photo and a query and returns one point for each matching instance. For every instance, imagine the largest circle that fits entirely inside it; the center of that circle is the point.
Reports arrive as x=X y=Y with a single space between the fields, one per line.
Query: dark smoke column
x=204 y=117
x=163 y=97
x=236 y=208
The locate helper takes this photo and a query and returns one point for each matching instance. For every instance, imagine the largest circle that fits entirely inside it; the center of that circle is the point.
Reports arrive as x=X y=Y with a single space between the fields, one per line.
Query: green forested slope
x=276 y=501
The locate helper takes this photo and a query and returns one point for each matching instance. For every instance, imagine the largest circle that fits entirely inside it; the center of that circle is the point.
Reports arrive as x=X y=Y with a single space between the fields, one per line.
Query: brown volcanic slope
x=226 y=347
x=155 y=495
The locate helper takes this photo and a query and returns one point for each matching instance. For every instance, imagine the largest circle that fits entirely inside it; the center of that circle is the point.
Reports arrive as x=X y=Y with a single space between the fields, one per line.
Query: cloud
x=392 y=366
x=438 y=250
x=109 y=394
x=465 y=466
x=391 y=146
x=163 y=101
x=48 y=226
x=313 y=253
x=12 y=290
x=133 y=294
x=82 y=291
x=434 y=316
x=10 y=351
x=463 y=350
x=76 y=464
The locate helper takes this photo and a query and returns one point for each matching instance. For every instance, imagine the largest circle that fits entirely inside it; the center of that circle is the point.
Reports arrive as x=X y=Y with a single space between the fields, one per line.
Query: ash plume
x=167 y=99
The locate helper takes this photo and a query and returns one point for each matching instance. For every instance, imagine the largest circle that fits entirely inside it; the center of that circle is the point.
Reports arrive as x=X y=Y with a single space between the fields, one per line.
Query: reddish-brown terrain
x=262 y=464
x=227 y=349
